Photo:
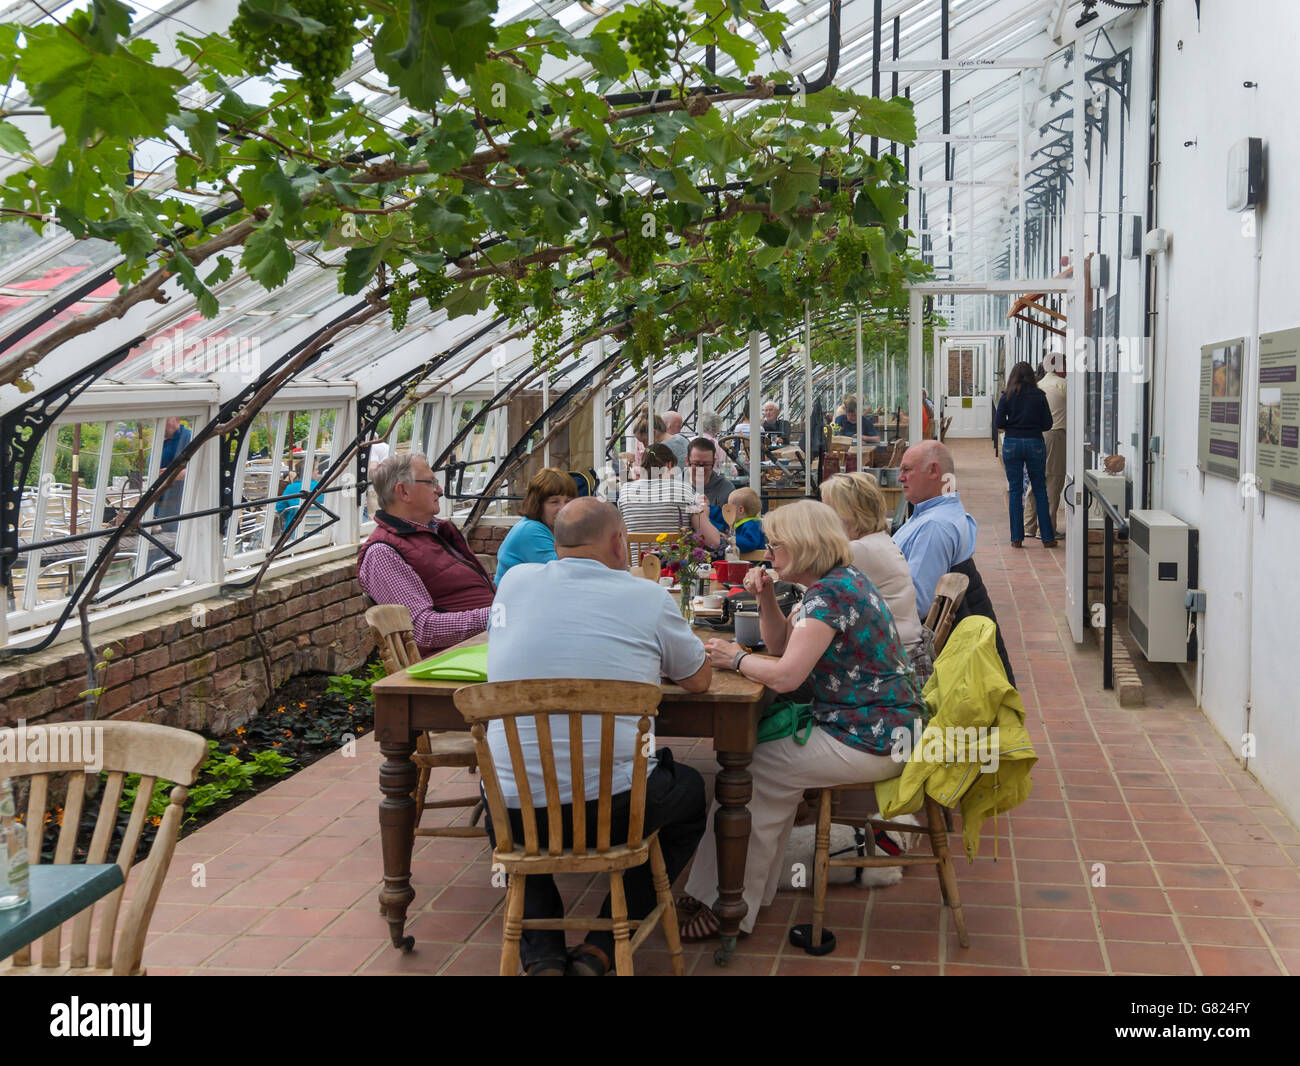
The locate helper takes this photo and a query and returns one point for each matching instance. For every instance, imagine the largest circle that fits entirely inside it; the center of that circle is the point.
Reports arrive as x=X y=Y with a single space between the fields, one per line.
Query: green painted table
x=57 y=894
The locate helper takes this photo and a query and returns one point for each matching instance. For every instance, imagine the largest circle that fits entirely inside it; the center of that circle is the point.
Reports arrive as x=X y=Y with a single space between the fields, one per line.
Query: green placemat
x=459 y=664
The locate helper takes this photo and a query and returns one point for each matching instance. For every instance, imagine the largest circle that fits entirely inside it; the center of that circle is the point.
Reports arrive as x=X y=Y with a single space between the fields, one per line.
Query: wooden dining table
x=728 y=712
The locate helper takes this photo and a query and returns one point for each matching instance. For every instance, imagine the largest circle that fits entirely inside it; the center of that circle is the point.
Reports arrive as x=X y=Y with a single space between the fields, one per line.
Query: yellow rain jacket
x=978 y=721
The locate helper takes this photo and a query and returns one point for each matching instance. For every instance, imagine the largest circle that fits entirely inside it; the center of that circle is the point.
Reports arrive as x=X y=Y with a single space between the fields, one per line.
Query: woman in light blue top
x=530 y=540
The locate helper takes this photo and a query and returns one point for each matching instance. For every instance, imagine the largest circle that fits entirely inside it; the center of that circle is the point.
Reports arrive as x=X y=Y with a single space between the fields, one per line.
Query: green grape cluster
x=399 y=300
x=846 y=260
x=540 y=288
x=720 y=234
x=637 y=249
x=433 y=287
x=547 y=335
x=507 y=298
x=645 y=337
x=650 y=35
x=319 y=59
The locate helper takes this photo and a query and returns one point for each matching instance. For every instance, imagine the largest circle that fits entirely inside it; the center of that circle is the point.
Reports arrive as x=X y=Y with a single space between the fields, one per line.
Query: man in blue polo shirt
x=584 y=615
x=940 y=535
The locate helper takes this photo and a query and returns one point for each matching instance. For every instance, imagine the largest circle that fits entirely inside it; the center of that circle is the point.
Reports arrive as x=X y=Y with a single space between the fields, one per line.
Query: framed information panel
x=1278 y=423
x=1219 y=439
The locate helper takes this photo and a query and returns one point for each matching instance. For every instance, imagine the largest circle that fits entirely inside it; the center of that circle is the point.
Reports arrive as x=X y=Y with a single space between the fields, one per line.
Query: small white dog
x=797 y=871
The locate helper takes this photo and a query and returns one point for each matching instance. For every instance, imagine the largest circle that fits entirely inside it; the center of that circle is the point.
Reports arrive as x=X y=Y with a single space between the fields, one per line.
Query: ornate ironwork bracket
x=23 y=429
x=372 y=408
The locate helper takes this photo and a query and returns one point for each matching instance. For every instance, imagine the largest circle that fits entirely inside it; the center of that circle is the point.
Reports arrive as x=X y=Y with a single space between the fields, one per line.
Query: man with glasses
x=421 y=562
x=700 y=464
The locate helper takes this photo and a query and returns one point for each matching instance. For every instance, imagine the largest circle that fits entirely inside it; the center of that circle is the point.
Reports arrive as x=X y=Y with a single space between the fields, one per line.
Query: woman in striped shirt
x=662 y=502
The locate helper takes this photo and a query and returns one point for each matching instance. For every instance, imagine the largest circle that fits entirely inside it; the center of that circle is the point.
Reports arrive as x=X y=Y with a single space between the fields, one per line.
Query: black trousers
x=674 y=804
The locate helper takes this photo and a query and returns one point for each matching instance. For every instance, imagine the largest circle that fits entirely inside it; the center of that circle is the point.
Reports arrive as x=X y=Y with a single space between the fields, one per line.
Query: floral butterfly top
x=863 y=686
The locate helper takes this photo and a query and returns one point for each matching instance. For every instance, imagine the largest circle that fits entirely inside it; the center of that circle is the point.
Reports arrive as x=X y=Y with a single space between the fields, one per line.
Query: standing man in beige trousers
x=1053 y=384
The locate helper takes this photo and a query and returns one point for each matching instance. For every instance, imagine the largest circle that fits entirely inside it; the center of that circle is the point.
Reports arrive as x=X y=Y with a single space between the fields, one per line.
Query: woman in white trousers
x=841 y=641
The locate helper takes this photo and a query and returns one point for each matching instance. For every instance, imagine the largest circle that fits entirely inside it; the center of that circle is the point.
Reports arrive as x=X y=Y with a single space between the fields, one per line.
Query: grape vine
x=651 y=34
x=319 y=58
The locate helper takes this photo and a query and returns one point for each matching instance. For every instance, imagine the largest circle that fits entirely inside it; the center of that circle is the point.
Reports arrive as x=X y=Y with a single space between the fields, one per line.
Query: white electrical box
x=1114 y=488
x=1162 y=566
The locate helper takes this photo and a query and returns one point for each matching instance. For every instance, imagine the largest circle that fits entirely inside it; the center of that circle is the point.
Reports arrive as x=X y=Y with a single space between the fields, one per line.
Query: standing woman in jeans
x=1024 y=415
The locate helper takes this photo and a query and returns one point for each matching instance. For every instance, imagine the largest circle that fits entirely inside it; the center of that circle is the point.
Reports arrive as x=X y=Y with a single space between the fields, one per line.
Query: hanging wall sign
x=1279 y=413
x=1219 y=441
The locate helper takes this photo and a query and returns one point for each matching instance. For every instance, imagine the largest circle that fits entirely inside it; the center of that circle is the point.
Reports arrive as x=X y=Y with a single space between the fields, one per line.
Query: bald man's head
x=590 y=528
x=926 y=470
x=673 y=422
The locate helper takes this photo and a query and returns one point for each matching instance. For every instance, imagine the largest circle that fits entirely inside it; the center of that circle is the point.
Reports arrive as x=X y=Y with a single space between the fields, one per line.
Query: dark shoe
x=547 y=968
x=1049 y=544
x=587 y=960
x=1017 y=543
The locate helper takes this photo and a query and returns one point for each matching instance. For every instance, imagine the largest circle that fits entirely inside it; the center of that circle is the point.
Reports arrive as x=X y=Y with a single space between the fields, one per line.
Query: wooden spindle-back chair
x=390 y=625
x=570 y=699
x=156 y=752
x=639 y=544
x=948 y=595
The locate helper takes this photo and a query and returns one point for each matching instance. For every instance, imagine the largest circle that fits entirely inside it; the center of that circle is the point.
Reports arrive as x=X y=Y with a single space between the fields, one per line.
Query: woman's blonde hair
x=812 y=535
x=857 y=499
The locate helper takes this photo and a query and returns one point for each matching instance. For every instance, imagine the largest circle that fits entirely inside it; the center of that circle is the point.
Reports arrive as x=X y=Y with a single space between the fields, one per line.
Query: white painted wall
x=1209 y=282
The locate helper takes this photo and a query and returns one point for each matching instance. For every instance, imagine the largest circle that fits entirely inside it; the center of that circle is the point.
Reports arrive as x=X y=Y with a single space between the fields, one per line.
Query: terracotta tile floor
x=1143 y=849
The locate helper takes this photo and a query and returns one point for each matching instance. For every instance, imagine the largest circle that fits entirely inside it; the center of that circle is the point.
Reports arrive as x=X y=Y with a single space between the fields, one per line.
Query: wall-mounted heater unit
x=1162 y=566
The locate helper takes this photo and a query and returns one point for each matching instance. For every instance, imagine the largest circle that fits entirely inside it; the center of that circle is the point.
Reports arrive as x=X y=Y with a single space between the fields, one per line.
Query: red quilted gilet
x=454 y=577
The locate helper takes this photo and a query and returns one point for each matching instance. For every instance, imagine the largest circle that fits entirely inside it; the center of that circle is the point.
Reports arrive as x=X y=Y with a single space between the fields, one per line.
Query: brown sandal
x=696 y=921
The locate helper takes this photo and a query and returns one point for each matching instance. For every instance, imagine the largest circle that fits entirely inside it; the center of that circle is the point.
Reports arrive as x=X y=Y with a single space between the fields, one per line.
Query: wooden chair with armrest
x=639 y=544
x=571 y=699
x=948 y=594
x=157 y=753
x=390 y=625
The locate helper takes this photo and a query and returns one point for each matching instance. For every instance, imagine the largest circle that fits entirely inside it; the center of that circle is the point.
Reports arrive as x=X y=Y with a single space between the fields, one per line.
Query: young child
x=749 y=527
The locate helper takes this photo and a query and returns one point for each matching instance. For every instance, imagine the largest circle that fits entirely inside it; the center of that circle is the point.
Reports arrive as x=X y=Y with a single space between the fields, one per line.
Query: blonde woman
x=842 y=642
x=861 y=507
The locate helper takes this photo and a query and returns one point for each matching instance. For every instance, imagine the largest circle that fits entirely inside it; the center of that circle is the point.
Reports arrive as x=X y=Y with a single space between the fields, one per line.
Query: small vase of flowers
x=690 y=558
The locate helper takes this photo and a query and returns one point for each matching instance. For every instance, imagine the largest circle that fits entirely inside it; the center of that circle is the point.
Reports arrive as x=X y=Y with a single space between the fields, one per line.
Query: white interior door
x=967 y=381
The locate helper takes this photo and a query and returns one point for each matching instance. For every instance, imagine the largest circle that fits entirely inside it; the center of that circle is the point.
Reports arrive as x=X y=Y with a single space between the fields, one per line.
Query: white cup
x=709 y=603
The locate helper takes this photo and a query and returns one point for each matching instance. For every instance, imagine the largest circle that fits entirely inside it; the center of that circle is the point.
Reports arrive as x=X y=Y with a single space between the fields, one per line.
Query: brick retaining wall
x=487 y=536
x=1097 y=571
x=199 y=666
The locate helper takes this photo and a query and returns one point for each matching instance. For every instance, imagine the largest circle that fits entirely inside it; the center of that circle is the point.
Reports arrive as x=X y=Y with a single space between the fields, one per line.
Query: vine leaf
x=787 y=187
x=359 y=266
x=14 y=140
x=85 y=92
x=282 y=12
x=889 y=119
x=412 y=47
x=267 y=258
x=201 y=129
x=111 y=21
x=876 y=251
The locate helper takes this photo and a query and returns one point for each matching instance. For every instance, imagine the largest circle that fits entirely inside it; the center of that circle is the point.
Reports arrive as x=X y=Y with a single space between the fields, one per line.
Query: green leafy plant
x=352 y=689
x=220 y=777
x=157 y=800
x=347 y=687
x=271 y=764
